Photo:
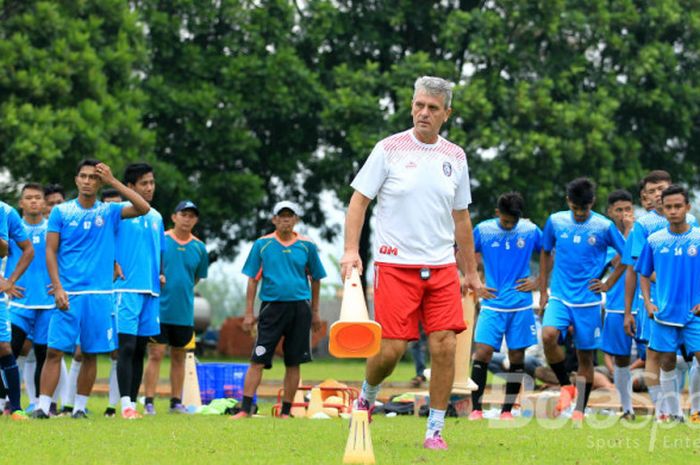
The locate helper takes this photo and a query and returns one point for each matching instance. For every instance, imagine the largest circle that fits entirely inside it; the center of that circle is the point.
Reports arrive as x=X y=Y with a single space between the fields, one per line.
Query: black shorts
x=289 y=319
x=173 y=335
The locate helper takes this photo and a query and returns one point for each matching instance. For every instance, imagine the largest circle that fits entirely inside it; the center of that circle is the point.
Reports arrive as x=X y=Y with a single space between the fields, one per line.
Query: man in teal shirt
x=185 y=262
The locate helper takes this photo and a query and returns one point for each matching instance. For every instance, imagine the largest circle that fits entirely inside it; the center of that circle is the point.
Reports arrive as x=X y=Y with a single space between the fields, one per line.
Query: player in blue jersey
x=654 y=184
x=185 y=262
x=23 y=254
x=614 y=339
x=505 y=246
x=581 y=239
x=290 y=269
x=671 y=253
x=80 y=251
x=140 y=243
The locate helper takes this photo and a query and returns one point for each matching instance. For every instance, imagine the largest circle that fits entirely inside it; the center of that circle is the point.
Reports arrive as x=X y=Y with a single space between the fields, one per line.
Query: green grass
x=213 y=440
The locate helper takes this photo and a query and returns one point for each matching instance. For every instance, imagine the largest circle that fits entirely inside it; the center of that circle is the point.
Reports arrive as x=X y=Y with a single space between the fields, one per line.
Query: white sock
x=72 y=388
x=654 y=392
x=45 y=403
x=80 y=403
x=113 y=385
x=670 y=391
x=62 y=387
x=436 y=423
x=27 y=368
x=126 y=403
x=694 y=387
x=623 y=378
x=369 y=392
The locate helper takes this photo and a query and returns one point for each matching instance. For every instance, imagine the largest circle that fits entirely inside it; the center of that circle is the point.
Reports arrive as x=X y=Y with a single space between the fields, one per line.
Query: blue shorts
x=5 y=324
x=89 y=317
x=34 y=322
x=585 y=320
x=138 y=314
x=517 y=327
x=615 y=341
x=667 y=338
x=643 y=322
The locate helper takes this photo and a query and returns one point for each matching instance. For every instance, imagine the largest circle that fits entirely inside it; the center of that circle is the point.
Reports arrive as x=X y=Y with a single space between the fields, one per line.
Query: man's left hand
x=315 y=321
x=11 y=289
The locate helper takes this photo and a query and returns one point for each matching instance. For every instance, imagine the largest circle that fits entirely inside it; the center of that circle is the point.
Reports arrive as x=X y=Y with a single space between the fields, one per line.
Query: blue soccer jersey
x=35 y=280
x=506 y=255
x=615 y=297
x=14 y=231
x=86 y=249
x=3 y=224
x=140 y=244
x=580 y=252
x=284 y=268
x=674 y=258
x=184 y=262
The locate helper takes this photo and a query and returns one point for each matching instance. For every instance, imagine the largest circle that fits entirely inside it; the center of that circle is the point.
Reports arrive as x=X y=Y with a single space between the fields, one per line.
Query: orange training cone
x=354 y=335
x=315 y=403
x=463 y=352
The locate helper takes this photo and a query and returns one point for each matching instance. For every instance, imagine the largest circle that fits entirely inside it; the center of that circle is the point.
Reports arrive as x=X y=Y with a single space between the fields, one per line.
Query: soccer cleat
x=149 y=409
x=66 y=411
x=110 y=412
x=476 y=415
x=662 y=418
x=30 y=408
x=79 y=415
x=240 y=415
x=53 y=410
x=436 y=442
x=694 y=417
x=506 y=416
x=363 y=404
x=677 y=419
x=130 y=414
x=566 y=395
x=630 y=416
x=178 y=408
x=19 y=415
x=39 y=414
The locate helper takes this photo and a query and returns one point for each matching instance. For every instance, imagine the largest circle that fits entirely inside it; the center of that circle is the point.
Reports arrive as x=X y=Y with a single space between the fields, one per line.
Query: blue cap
x=187 y=205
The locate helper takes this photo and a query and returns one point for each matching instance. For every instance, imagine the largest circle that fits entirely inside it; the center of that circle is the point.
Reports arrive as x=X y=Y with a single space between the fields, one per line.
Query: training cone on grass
x=298 y=410
x=315 y=403
x=463 y=351
x=354 y=335
x=359 y=446
x=191 y=396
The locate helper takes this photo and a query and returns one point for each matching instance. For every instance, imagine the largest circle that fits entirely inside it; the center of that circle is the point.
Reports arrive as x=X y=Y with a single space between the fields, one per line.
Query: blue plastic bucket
x=221 y=380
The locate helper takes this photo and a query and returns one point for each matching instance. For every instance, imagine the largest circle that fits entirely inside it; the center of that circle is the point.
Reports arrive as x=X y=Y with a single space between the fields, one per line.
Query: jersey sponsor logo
x=389 y=250
x=591 y=240
x=99 y=222
x=260 y=351
x=692 y=251
x=447 y=168
x=87 y=224
x=520 y=243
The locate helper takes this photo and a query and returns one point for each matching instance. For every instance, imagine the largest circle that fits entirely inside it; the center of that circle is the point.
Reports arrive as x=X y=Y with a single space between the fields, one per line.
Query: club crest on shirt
x=99 y=222
x=521 y=243
x=591 y=240
x=692 y=251
x=447 y=168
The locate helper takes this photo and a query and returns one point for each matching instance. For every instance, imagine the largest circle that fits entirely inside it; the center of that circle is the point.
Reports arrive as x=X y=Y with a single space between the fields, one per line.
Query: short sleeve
x=3 y=224
x=615 y=239
x=316 y=269
x=372 y=174
x=55 y=221
x=537 y=238
x=627 y=253
x=645 y=263
x=463 y=194
x=115 y=212
x=253 y=263
x=639 y=238
x=477 y=239
x=692 y=220
x=15 y=230
x=203 y=268
x=548 y=238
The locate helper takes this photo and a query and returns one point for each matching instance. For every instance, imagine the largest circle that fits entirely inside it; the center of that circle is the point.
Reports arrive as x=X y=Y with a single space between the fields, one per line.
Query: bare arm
x=4 y=249
x=60 y=296
x=598 y=285
x=630 y=290
x=138 y=206
x=9 y=285
x=250 y=292
x=464 y=236
x=354 y=219
x=645 y=285
x=545 y=270
x=315 y=305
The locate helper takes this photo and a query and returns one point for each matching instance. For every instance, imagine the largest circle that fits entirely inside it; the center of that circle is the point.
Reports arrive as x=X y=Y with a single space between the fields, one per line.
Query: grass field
x=186 y=439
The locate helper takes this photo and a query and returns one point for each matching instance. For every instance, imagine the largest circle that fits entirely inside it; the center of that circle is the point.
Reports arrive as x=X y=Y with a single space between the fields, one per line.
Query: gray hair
x=435 y=86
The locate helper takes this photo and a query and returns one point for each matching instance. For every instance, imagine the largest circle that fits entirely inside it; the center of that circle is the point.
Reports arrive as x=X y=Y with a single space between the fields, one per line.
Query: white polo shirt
x=418 y=186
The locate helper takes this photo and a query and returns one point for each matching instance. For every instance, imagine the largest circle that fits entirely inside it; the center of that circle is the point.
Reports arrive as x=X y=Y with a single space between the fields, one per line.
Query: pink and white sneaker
x=476 y=415
x=130 y=413
x=436 y=442
x=506 y=416
x=363 y=404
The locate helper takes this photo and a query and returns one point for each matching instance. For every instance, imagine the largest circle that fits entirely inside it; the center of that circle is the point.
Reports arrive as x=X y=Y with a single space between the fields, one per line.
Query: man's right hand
x=651 y=309
x=544 y=298
x=248 y=322
x=61 y=299
x=630 y=325
x=347 y=262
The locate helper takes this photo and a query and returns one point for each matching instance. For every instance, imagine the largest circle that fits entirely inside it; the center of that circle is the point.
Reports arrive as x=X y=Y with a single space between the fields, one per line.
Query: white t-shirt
x=418 y=186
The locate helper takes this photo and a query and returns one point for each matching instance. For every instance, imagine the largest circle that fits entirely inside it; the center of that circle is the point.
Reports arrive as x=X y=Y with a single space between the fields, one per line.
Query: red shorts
x=402 y=299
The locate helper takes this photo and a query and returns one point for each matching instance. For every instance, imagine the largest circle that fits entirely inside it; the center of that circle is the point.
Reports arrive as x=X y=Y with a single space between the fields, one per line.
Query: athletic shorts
x=5 y=324
x=289 y=319
x=518 y=328
x=89 y=317
x=173 y=335
x=615 y=341
x=667 y=338
x=138 y=314
x=34 y=323
x=585 y=320
x=402 y=299
x=643 y=322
